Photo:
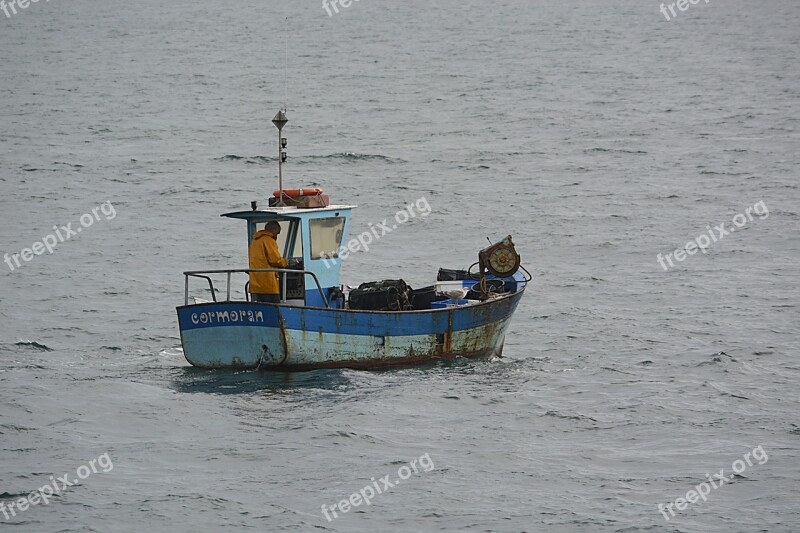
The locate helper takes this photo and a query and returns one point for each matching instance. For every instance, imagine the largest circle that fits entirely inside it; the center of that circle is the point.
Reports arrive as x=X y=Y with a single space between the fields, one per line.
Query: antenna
x=280 y=119
x=285 y=65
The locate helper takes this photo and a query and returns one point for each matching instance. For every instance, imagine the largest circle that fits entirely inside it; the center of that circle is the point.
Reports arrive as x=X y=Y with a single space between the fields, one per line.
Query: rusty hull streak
x=414 y=357
x=476 y=337
x=469 y=349
x=377 y=364
x=448 y=336
x=284 y=340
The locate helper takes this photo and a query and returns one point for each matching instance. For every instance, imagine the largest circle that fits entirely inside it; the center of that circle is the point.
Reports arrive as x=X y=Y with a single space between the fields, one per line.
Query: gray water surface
x=599 y=134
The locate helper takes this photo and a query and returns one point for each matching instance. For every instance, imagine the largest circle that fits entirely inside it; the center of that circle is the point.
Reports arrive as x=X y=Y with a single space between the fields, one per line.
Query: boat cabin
x=311 y=239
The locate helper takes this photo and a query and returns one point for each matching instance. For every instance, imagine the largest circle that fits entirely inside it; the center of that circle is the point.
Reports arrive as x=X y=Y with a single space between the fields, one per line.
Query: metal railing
x=283 y=271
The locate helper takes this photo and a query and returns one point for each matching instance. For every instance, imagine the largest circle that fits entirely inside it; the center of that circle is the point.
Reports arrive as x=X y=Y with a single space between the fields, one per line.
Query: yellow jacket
x=263 y=252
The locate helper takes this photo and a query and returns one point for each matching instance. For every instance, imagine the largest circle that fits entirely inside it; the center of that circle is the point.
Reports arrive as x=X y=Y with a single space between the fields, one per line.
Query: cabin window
x=326 y=236
x=290 y=239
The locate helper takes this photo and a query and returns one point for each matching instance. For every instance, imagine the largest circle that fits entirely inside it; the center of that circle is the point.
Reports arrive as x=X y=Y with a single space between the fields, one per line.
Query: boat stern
x=232 y=335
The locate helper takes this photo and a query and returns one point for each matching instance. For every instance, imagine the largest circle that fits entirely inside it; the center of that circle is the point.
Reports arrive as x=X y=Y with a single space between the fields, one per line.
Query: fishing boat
x=320 y=323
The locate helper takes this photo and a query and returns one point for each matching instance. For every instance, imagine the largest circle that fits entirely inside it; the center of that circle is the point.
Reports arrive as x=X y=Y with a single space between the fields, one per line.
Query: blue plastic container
x=448 y=303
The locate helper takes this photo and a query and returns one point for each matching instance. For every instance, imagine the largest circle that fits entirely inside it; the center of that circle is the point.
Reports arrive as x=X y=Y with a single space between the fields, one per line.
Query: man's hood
x=264 y=233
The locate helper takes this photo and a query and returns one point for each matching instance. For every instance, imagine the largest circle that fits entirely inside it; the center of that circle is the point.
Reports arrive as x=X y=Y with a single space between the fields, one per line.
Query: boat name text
x=227 y=317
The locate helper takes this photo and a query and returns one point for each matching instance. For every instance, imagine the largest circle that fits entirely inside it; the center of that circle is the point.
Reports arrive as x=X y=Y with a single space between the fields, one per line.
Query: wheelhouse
x=311 y=239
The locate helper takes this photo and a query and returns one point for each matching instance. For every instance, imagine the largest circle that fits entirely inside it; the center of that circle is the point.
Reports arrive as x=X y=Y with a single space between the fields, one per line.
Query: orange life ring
x=312 y=191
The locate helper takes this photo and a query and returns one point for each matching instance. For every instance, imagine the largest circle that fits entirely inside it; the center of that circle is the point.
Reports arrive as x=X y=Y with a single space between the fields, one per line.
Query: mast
x=280 y=121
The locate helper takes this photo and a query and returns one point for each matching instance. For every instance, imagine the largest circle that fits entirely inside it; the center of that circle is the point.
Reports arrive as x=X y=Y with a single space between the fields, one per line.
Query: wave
x=724 y=392
x=34 y=169
x=719 y=357
x=577 y=416
x=13 y=495
x=34 y=344
x=341 y=156
x=616 y=150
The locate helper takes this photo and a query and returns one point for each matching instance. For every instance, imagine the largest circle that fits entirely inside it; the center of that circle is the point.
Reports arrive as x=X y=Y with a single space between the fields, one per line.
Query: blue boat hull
x=249 y=335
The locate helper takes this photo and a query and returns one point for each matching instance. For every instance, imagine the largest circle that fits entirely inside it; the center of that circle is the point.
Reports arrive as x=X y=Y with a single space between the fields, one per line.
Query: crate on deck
x=386 y=295
x=424 y=297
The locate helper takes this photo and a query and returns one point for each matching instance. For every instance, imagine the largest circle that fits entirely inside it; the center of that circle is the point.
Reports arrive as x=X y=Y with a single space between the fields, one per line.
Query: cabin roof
x=285 y=211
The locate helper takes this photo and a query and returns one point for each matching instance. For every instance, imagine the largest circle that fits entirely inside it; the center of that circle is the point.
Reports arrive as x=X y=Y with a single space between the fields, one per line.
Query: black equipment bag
x=446 y=274
x=386 y=295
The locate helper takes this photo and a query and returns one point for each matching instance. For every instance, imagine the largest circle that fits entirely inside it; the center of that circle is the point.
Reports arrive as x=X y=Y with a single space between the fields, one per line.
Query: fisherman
x=264 y=253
